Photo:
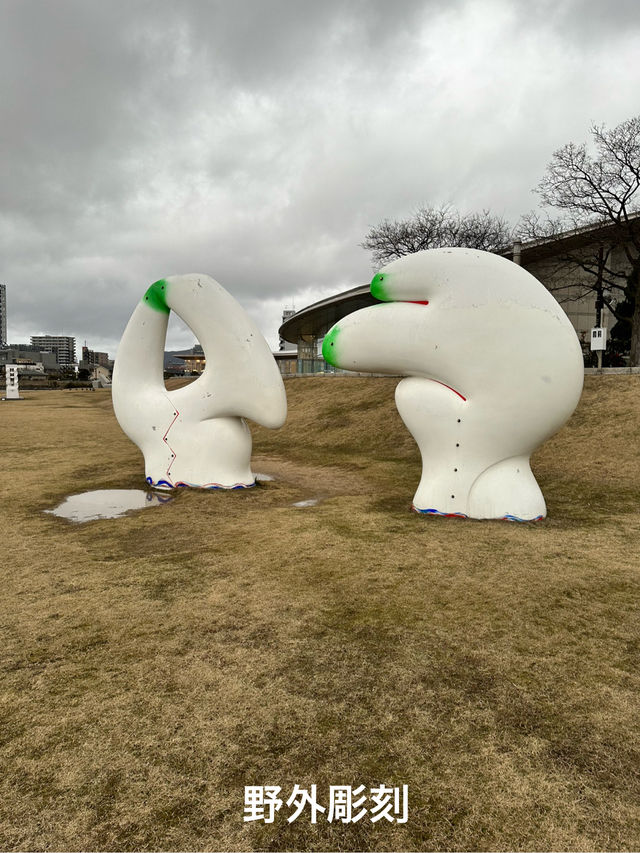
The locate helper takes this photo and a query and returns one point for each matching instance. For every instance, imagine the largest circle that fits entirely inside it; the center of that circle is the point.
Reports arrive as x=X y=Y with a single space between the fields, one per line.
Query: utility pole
x=599 y=300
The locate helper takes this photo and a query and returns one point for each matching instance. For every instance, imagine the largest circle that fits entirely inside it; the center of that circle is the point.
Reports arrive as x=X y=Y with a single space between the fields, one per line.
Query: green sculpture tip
x=329 y=350
x=155 y=297
x=378 y=287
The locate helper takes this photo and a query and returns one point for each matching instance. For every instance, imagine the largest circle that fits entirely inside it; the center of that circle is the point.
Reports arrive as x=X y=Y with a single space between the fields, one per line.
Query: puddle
x=264 y=478
x=106 y=503
x=311 y=502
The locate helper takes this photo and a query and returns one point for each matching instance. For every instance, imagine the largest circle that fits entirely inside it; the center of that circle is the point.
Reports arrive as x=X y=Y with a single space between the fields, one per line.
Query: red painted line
x=164 y=438
x=450 y=389
x=417 y=302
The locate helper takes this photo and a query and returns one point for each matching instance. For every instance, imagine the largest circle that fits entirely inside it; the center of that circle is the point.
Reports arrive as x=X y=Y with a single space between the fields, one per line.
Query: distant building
x=100 y=376
x=194 y=360
x=64 y=347
x=287 y=361
x=174 y=369
x=92 y=357
x=23 y=354
x=27 y=366
x=287 y=356
x=559 y=262
x=288 y=312
x=3 y=315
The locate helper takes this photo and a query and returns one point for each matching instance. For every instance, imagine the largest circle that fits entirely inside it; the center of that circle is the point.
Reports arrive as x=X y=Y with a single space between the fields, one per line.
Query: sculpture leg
x=507 y=490
x=438 y=418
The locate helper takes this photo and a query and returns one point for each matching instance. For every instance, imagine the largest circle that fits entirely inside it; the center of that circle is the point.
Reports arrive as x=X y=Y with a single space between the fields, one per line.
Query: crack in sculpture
x=493 y=369
x=196 y=436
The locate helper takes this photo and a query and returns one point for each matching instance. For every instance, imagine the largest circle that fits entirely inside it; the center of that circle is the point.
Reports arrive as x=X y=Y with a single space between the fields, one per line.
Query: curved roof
x=190 y=356
x=577 y=238
x=314 y=320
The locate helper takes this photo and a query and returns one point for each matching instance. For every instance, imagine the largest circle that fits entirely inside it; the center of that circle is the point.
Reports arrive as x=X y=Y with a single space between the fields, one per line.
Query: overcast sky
x=258 y=140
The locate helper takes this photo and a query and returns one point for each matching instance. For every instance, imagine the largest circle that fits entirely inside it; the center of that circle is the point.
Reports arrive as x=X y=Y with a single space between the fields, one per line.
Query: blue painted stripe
x=209 y=486
x=439 y=513
x=521 y=520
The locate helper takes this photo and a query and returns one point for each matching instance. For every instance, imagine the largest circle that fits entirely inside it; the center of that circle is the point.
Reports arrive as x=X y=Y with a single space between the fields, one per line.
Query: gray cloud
x=258 y=141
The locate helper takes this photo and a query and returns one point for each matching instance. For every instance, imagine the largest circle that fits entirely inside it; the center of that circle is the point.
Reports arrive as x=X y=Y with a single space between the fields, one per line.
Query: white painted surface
x=13 y=391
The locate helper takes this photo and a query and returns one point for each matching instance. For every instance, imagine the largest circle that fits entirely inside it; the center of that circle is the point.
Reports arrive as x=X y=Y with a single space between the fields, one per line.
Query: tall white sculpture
x=494 y=368
x=196 y=436
x=13 y=387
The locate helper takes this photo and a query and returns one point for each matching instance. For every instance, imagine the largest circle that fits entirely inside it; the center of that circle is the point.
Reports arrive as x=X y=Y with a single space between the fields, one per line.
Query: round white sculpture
x=494 y=367
x=196 y=436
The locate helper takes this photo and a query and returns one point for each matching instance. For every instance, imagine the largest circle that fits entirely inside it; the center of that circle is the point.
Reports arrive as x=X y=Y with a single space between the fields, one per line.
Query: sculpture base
x=165 y=485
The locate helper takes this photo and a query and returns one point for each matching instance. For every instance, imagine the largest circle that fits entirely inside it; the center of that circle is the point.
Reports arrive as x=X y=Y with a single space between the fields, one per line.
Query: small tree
x=602 y=188
x=432 y=228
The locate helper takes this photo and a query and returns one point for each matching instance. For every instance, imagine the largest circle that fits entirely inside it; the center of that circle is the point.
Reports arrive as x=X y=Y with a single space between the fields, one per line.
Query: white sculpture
x=196 y=436
x=494 y=367
x=13 y=387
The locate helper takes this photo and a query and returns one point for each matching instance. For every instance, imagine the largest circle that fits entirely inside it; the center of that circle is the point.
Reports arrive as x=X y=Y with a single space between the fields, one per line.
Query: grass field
x=154 y=665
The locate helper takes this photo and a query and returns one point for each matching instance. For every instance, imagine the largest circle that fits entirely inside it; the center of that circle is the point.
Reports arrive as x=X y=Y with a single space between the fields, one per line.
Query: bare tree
x=431 y=228
x=592 y=189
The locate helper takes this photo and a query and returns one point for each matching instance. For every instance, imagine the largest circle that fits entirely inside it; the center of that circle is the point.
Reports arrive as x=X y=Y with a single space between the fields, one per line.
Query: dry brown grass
x=153 y=665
